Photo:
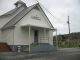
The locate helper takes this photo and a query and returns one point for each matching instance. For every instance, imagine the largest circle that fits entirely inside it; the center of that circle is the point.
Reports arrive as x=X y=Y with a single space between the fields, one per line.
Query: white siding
x=7 y=36
x=51 y=37
x=28 y=20
x=1 y=37
x=21 y=36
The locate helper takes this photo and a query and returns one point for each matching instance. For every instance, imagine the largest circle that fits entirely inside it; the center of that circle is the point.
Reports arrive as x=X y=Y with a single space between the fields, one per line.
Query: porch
x=38 y=38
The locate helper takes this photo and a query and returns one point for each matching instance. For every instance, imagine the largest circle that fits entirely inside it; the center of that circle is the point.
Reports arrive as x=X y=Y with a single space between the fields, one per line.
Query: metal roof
x=19 y=16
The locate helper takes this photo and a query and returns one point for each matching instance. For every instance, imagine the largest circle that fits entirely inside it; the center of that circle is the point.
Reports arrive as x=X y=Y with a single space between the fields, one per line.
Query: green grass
x=69 y=44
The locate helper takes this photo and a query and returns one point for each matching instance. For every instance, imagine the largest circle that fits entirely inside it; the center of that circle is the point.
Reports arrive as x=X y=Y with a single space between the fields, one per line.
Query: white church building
x=25 y=26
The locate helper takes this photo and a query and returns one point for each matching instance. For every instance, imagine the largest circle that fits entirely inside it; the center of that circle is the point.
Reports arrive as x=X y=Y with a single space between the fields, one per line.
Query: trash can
x=18 y=48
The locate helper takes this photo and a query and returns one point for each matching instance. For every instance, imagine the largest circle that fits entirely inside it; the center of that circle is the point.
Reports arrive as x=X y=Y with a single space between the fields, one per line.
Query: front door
x=36 y=36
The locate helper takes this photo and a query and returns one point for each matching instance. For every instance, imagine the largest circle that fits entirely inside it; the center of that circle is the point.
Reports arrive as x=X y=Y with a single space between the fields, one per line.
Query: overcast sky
x=60 y=9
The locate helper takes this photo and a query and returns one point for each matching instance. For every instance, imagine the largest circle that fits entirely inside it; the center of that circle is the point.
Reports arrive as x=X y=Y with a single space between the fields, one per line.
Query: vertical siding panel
x=7 y=36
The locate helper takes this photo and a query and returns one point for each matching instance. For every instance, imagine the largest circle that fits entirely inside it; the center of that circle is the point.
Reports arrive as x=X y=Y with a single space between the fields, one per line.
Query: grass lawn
x=69 y=44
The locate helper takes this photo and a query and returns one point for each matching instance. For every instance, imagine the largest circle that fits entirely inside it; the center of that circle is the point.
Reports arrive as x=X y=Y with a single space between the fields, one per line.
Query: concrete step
x=43 y=47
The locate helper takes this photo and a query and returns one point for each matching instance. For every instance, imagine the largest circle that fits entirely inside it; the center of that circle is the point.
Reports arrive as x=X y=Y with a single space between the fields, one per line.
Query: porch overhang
x=37 y=27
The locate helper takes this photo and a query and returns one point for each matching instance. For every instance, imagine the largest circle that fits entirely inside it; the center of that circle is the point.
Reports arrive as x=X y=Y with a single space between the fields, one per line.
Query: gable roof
x=19 y=16
x=14 y=10
x=10 y=12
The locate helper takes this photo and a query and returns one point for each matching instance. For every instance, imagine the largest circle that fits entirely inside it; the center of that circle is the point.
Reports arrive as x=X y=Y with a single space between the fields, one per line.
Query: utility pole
x=69 y=31
x=68 y=26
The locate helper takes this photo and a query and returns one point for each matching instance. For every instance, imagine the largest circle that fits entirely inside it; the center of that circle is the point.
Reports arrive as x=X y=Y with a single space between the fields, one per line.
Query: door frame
x=36 y=36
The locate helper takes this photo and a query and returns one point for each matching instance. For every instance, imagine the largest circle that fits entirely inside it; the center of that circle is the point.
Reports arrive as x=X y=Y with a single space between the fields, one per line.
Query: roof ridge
x=23 y=12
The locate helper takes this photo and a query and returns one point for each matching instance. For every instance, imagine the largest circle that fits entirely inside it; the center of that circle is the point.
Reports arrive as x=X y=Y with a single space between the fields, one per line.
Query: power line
x=50 y=12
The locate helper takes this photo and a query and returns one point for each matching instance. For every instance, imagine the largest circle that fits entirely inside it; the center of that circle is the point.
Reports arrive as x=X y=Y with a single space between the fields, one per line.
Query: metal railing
x=44 y=40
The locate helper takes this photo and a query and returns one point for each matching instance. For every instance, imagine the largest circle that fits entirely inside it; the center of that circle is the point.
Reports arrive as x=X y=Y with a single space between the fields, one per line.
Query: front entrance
x=36 y=36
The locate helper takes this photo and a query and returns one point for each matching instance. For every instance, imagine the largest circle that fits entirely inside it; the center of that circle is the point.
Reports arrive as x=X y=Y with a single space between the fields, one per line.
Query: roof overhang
x=35 y=26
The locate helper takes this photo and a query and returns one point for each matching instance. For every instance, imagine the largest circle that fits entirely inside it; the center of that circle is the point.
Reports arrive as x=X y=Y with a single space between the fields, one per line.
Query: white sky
x=60 y=9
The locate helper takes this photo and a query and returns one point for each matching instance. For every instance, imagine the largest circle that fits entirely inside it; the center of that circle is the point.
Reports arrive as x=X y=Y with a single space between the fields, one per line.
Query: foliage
x=69 y=43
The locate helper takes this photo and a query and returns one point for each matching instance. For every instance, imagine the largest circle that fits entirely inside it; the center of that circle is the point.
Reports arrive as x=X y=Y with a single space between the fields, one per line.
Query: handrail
x=44 y=40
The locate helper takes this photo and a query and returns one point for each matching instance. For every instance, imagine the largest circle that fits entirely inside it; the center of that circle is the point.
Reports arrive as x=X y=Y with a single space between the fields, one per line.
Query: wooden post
x=44 y=34
x=69 y=26
x=56 y=39
x=69 y=37
x=13 y=41
x=29 y=39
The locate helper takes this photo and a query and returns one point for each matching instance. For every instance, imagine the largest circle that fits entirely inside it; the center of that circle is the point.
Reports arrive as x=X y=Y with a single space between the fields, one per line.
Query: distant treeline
x=72 y=36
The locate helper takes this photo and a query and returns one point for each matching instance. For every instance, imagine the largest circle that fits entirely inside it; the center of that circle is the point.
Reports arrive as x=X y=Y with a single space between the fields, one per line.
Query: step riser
x=4 y=47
